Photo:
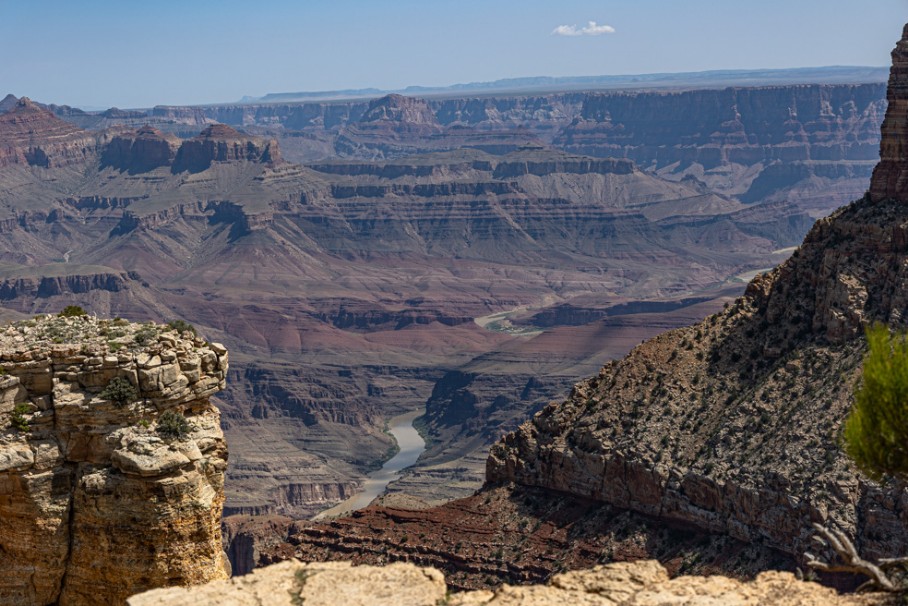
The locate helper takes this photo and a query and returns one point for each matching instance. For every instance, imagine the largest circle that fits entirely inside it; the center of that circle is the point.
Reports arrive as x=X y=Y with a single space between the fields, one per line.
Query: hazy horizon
x=99 y=54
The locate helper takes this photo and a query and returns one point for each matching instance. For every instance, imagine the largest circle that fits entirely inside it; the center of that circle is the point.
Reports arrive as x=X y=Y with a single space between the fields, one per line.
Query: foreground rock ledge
x=644 y=583
x=97 y=500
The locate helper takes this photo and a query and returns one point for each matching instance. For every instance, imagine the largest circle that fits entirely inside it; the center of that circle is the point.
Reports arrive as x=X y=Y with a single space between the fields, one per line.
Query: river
x=411 y=446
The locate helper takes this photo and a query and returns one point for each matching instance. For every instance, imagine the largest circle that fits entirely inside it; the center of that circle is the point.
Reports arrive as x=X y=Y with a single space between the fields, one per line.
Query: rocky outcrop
x=8 y=102
x=644 y=583
x=731 y=425
x=32 y=136
x=221 y=143
x=143 y=150
x=890 y=178
x=112 y=460
x=49 y=286
x=391 y=126
x=402 y=110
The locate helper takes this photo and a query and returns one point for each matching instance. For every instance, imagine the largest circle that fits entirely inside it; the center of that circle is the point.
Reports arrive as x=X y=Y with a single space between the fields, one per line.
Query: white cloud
x=590 y=29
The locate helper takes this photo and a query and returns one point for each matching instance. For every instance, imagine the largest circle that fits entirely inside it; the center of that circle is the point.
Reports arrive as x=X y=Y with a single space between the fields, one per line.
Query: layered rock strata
x=500 y=535
x=643 y=583
x=221 y=143
x=730 y=427
x=890 y=178
x=112 y=460
x=140 y=151
x=32 y=136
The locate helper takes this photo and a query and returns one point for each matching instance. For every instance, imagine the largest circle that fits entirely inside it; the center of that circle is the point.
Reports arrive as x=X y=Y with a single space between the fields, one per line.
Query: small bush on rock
x=72 y=311
x=119 y=391
x=181 y=326
x=173 y=425
x=145 y=335
x=18 y=420
x=876 y=432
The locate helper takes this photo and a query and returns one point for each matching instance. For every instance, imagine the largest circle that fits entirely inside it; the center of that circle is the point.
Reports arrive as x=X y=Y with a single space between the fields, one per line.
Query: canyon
x=343 y=250
x=463 y=262
x=711 y=447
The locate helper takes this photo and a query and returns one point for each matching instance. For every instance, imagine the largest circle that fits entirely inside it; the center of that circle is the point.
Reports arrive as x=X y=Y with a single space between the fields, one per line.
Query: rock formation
x=500 y=535
x=143 y=150
x=644 y=583
x=890 y=178
x=815 y=143
x=392 y=126
x=221 y=143
x=409 y=111
x=33 y=136
x=8 y=102
x=112 y=460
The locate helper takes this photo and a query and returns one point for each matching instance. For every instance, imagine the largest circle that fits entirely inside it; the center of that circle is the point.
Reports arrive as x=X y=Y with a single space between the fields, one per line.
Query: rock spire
x=890 y=178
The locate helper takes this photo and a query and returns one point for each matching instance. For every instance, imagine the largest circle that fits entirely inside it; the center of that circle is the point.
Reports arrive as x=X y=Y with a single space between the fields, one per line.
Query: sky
x=133 y=53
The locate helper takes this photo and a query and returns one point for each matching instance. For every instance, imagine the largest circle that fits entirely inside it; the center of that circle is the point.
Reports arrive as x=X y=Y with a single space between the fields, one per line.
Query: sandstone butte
x=95 y=503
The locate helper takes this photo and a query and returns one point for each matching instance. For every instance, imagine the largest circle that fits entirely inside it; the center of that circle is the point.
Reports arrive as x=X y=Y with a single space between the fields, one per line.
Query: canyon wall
x=728 y=428
x=732 y=425
x=112 y=460
x=32 y=136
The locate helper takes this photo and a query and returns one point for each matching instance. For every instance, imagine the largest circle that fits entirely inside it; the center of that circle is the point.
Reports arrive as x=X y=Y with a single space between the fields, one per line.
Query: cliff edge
x=112 y=460
x=643 y=583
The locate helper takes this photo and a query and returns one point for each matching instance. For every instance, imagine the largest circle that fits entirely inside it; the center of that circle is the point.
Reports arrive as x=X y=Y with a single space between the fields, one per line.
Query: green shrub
x=145 y=335
x=119 y=391
x=18 y=420
x=876 y=431
x=72 y=311
x=173 y=425
x=181 y=326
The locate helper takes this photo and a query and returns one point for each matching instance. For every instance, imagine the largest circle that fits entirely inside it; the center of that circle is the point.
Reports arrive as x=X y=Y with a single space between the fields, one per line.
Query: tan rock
x=644 y=583
x=327 y=584
x=94 y=505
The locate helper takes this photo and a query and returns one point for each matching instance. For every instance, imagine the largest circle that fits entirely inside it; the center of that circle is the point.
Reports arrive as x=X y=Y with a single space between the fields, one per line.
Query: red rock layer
x=144 y=149
x=499 y=535
x=34 y=136
x=221 y=143
x=890 y=178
